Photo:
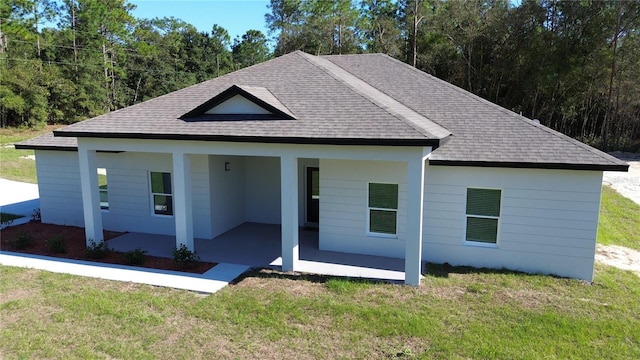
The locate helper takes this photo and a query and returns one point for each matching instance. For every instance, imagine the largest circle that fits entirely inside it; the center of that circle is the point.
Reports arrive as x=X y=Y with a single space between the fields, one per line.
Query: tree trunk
x=36 y=19
x=607 y=116
x=416 y=21
x=75 y=45
x=103 y=32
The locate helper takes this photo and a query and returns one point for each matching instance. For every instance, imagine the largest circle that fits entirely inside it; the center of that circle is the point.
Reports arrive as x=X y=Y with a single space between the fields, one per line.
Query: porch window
x=483 y=213
x=383 y=208
x=102 y=184
x=161 y=193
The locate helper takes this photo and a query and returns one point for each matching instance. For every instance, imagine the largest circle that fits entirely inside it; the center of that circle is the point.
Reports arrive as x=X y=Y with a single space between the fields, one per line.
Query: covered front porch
x=211 y=190
x=258 y=245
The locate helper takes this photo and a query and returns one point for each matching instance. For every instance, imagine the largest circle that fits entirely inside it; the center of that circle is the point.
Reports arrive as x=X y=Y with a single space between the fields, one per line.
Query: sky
x=236 y=16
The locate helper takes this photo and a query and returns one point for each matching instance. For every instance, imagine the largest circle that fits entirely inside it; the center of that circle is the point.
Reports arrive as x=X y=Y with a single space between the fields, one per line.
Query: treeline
x=574 y=65
x=66 y=61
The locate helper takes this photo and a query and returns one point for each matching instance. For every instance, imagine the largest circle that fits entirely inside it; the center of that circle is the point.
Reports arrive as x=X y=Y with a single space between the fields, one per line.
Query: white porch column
x=182 y=200
x=415 y=196
x=90 y=195
x=289 y=209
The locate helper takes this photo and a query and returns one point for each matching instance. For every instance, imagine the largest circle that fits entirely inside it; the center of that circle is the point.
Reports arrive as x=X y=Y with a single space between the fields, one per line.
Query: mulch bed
x=75 y=245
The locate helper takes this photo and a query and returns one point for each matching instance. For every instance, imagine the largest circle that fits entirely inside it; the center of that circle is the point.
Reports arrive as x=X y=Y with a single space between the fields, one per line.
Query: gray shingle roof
x=49 y=142
x=326 y=111
x=484 y=134
x=350 y=99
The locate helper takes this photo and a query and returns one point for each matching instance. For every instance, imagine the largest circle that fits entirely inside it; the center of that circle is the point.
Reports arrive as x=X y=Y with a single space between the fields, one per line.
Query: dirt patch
x=74 y=240
x=619 y=256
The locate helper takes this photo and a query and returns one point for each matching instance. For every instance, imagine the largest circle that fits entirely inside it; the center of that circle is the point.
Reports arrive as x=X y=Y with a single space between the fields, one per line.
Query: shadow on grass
x=269 y=273
x=429 y=269
x=444 y=270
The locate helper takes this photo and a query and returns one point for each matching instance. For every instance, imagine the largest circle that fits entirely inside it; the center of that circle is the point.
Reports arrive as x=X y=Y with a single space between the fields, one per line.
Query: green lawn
x=457 y=313
x=619 y=220
x=13 y=164
x=4 y=217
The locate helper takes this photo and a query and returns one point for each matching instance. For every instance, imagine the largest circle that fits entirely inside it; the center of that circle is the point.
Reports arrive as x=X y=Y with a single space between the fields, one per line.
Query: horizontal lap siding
x=129 y=193
x=129 y=197
x=59 y=187
x=227 y=193
x=548 y=220
x=262 y=189
x=343 y=206
x=201 y=199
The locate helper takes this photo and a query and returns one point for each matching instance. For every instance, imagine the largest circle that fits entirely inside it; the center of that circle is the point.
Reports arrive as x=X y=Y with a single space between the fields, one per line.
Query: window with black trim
x=383 y=208
x=161 y=193
x=483 y=214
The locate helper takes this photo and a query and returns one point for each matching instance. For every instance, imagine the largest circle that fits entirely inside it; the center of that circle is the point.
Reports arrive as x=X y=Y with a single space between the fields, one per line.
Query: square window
x=383 y=208
x=483 y=214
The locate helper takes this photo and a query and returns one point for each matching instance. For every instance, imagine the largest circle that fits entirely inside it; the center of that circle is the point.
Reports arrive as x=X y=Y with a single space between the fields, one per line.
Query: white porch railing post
x=289 y=209
x=413 y=245
x=182 y=200
x=90 y=195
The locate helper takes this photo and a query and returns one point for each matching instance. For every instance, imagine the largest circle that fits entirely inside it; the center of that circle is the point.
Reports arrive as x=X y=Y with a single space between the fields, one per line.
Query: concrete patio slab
x=258 y=245
x=210 y=282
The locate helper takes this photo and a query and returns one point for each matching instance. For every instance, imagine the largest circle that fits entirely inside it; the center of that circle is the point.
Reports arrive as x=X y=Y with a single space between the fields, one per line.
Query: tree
x=251 y=49
x=285 y=23
x=380 y=26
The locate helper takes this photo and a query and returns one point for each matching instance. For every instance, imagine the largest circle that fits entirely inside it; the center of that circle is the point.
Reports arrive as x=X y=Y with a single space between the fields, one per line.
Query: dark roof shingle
x=483 y=133
x=351 y=99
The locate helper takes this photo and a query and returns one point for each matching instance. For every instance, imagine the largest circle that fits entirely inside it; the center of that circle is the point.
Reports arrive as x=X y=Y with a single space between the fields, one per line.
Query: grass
x=619 y=220
x=456 y=313
x=5 y=217
x=13 y=163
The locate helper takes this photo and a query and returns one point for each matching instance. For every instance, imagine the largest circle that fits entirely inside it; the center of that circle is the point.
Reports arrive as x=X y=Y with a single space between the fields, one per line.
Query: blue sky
x=236 y=16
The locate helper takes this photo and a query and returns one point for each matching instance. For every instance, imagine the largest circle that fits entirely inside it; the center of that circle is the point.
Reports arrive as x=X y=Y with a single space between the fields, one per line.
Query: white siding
x=343 y=206
x=129 y=198
x=238 y=104
x=548 y=220
x=227 y=193
x=59 y=187
x=262 y=189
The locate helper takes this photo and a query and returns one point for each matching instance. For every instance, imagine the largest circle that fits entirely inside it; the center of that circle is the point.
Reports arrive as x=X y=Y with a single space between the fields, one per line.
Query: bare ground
x=628 y=185
x=619 y=256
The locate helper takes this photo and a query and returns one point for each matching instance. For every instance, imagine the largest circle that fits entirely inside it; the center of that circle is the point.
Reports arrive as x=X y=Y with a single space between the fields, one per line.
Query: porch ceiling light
x=227 y=166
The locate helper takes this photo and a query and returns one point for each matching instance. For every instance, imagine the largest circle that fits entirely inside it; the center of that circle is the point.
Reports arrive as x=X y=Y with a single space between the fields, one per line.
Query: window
x=102 y=184
x=483 y=212
x=161 y=194
x=383 y=208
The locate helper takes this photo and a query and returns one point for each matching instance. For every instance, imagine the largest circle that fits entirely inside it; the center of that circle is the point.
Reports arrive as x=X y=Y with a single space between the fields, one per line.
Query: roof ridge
x=385 y=55
x=504 y=110
x=388 y=103
x=275 y=102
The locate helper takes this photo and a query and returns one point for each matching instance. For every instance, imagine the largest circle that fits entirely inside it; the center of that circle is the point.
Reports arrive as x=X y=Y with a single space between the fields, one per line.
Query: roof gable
x=240 y=103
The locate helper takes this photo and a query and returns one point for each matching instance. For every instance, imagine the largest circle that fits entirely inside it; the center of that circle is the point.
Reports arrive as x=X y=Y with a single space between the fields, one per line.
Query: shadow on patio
x=258 y=245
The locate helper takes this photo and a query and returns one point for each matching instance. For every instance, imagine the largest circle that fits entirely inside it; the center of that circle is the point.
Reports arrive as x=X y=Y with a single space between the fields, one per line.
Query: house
x=384 y=159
